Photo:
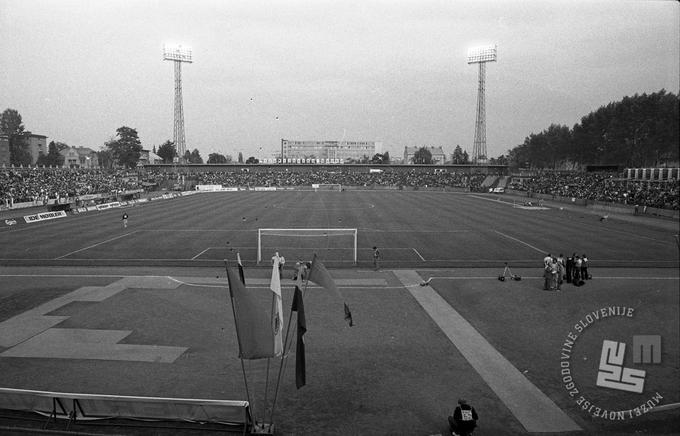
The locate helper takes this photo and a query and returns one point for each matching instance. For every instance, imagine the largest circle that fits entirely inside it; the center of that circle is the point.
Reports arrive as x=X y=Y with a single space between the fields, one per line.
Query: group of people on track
x=557 y=270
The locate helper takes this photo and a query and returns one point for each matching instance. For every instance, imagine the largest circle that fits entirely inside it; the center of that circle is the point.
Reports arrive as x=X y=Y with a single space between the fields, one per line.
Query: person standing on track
x=281 y=261
x=125 y=220
x=376 y=258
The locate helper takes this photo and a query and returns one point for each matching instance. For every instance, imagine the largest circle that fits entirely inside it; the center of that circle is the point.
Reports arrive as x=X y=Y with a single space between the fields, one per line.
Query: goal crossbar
x=306 y=232
x=327 y=186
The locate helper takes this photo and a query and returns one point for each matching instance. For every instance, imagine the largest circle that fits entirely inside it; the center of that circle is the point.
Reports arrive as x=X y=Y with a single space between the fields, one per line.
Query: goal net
x=338 y=244
x=327 y=187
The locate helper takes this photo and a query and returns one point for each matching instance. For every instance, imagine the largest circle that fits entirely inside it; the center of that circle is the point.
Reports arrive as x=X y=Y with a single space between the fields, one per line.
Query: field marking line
x=194 y=258
x=521 y=242
x=421 y=257
x=662 y=241
x=536 y=412
x=95 y=245
x=367 y=271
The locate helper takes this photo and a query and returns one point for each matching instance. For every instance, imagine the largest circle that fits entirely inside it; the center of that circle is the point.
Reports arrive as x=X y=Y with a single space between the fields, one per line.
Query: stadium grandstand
x=30 y=187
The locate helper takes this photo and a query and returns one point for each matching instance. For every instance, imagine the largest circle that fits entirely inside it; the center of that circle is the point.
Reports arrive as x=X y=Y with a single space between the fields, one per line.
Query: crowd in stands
x=282 y=178
x=40 y=185
x=603 y=187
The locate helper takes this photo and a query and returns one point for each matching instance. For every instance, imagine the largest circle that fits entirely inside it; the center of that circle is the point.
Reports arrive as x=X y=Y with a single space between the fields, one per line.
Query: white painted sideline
x=532 y=408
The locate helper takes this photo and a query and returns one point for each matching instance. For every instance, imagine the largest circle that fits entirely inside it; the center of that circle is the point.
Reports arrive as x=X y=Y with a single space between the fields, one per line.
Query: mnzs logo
x=612 y=374
x=10 y=222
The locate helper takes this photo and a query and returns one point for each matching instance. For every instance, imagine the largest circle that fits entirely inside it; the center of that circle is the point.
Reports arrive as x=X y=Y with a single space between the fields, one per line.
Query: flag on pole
x=253 y=321
x=241 y=275
x=277 y=307
x=300 y=366
x=320 y=275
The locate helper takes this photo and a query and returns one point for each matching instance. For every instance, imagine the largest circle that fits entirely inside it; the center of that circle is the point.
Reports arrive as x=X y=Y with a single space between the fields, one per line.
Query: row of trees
x=638 y=131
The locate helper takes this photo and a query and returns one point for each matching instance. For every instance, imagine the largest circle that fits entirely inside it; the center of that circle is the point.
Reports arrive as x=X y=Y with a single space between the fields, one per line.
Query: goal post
x=307 y=240
x=326 y=187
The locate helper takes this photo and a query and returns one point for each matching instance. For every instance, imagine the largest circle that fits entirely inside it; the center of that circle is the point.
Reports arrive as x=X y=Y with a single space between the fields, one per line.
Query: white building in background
x=80 y=157
x=323 y=152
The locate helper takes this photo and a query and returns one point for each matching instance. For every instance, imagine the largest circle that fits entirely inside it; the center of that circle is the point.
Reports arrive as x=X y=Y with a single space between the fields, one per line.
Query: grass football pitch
x=399 y=370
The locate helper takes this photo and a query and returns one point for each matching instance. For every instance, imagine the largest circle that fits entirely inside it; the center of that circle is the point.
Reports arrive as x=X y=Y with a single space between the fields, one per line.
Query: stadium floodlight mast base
x=481 y=55
x=309 y=233
x=178 y=54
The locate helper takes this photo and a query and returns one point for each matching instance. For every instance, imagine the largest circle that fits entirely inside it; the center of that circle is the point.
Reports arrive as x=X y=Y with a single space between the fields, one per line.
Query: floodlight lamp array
x=485 y=53
x=173 y=52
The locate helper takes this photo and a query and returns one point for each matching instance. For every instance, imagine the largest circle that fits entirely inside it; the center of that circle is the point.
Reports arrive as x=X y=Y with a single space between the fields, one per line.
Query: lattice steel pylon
x=481 y=55
x=178 y=54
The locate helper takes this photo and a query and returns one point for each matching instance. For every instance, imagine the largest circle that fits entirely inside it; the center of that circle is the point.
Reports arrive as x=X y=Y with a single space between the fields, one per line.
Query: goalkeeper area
x=340 y=245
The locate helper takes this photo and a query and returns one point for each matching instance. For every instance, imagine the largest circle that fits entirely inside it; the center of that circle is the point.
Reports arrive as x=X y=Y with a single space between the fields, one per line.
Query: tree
x=252 y=160
x=638 y=131
x=167 y=152
x=216 y=158
x=240 y=157
x=422 y=156
x=105 y=157
x=381 y=159
x=459 y=156
x=12 y=126
x=195 y=157
x=10 y=122
x=500 y=160
x=127 y=148
x=53 y=157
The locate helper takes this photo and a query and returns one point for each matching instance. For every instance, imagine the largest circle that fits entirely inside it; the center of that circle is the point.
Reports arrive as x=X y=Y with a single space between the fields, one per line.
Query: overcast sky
x=388 y=71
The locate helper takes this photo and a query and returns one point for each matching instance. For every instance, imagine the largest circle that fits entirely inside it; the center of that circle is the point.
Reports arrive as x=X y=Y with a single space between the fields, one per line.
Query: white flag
x=277 y=306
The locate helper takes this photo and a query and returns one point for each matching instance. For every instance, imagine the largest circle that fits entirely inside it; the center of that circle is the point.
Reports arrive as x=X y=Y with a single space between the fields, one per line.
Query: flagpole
x=266 y=383
x=266 y=388
x=284 y=355
x=238 y=338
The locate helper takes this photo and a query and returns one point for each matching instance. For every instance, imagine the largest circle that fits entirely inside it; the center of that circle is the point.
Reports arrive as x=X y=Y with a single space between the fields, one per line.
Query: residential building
x=148 y=157
x=438 y=155
x=80 y=157
x=295 y=151
x=4 y=150
x=36 y=145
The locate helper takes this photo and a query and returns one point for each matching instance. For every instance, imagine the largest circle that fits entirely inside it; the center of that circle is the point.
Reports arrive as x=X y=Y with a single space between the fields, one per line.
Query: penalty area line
x=95 y=245
x=421 y=257
x=520 y=241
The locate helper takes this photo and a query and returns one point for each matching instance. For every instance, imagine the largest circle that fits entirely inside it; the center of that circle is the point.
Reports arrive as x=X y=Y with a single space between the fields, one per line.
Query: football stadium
x=285 y=218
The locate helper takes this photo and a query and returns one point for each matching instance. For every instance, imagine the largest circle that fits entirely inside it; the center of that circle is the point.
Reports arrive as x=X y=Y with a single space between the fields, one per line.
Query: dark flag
x=240 y=268
x=320 y=275
x=253 y=321
x=300 y=367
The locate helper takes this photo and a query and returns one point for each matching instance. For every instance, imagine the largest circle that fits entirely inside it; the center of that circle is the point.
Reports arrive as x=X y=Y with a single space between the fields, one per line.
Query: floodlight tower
x=481 y=55
x=178 y=54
